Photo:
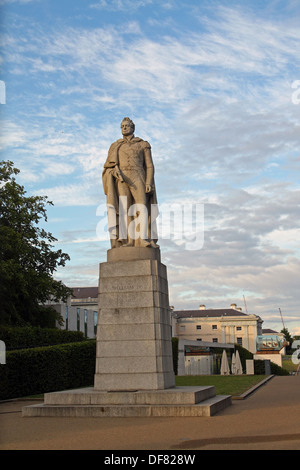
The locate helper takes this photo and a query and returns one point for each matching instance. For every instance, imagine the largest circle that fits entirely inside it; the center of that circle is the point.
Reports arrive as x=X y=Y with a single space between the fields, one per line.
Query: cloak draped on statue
x=111 y=191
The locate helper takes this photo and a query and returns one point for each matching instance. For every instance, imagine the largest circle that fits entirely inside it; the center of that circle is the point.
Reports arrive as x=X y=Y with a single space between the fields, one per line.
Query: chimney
x=201 y=307
x=233 y=306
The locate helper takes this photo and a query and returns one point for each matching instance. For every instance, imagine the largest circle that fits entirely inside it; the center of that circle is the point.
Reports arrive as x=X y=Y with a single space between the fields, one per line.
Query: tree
x=28 y=260
x=288 y=339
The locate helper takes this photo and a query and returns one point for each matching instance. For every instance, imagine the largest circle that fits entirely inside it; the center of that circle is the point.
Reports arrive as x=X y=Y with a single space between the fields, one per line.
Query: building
x=225 y=325
x=80 y=312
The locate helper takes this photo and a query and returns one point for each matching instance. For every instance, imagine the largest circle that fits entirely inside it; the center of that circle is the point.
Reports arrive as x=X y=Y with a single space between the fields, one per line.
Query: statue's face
x=126 y=128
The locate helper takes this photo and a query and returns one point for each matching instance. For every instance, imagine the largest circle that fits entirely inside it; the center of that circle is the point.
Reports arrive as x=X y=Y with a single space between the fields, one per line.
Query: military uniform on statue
x=128 y=176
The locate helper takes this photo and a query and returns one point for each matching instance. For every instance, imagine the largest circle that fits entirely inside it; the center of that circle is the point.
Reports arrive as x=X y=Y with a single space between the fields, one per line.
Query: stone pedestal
x=90 y=403
x=134 y=344
x=134 y=364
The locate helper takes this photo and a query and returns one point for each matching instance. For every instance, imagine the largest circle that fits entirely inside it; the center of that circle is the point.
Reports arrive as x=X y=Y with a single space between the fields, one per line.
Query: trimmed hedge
x=31 y=337
x=47 y=369
x=259 y=368
x=259 y=365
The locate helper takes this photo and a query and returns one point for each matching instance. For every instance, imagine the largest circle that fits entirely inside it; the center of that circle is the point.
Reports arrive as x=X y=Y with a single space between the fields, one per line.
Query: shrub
x=46 y=369
x=259 y=368
x=30 y=337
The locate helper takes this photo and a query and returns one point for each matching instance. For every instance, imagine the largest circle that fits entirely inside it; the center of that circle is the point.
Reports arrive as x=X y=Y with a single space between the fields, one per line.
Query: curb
x=253 y=389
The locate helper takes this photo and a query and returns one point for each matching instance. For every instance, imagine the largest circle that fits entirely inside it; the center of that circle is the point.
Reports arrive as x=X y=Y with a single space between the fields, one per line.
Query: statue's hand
x=117 y=174
x=148 y=188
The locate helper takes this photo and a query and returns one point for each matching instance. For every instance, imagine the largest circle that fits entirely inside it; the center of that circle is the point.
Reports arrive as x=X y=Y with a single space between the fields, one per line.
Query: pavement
x=268 y=419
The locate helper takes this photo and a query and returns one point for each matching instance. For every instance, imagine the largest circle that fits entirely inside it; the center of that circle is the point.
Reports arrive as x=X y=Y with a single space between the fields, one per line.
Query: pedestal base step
x=179 y=401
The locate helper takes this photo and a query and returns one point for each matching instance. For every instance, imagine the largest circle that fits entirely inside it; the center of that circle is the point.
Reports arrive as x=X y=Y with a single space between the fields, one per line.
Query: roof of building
x=268 y=331
x=85 y=292
x=218 y=312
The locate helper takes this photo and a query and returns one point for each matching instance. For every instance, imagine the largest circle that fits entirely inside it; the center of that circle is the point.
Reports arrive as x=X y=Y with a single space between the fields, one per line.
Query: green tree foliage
x=288 y=339
x=28 y=260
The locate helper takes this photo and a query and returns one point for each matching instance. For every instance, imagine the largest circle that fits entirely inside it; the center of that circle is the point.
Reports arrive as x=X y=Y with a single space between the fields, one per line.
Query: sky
x=214 y=86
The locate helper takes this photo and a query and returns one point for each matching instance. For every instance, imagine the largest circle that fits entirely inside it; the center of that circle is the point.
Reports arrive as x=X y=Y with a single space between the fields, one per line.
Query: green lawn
x=225 y=384
x=288 y=364
x=234 y=385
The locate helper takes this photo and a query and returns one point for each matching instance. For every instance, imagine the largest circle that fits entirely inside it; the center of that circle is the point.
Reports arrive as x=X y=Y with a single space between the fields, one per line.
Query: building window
x=239 y=341
x=239 y=328
x=85 y=323
x=215 y=340
x=198 y=327
x=67 y=317
x=214 y=327
x=78 y=319
x=182 y=328
x=199 y=339
x=95 y=321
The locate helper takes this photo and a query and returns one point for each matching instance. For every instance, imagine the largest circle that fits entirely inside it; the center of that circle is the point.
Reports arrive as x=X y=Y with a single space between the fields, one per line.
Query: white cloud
x=122 y=5
x=215 y=102
x=81 y=194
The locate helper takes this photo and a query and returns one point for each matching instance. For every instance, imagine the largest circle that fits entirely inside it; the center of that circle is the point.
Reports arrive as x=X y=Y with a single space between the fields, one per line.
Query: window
x=214 y=327
x=199 y=339
x=198 y=327
x=95 y=321
x=67 y=317
x=182 y=328
x=239 y=341
x=215 y=340
x=85 y=322
x=239 y=328
x=78 y=319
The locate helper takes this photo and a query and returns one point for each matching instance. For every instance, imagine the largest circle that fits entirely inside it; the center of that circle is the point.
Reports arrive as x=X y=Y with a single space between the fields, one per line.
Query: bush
x=30 y=337
x=47 y=369
x=259 y=368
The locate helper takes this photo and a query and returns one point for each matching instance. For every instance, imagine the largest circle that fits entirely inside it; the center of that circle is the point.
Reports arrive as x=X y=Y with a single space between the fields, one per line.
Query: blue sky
x=213 y=85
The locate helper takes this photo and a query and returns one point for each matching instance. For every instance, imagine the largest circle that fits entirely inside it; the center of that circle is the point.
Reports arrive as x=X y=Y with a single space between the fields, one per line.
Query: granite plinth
x=131 y=253
x=134 y=340
x=179 y=401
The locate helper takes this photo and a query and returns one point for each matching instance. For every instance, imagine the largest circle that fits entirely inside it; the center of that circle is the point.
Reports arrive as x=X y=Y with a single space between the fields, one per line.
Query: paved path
x=268 y=419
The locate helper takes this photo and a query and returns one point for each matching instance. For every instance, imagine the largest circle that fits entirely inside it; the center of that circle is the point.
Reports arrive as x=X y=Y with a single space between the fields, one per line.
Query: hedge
x=30 y=337
x=47 y=369
x=259 y=368
x=259 y=365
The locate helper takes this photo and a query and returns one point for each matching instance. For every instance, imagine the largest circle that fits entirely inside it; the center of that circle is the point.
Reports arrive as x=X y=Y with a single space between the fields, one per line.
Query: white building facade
x=229 y=325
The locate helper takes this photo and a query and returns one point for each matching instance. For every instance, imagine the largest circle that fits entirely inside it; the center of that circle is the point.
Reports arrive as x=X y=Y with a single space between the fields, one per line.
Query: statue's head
x=127 y=124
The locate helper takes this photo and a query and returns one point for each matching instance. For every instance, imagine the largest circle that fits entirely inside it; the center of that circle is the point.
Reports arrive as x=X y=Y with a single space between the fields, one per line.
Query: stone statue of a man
x=128 y=181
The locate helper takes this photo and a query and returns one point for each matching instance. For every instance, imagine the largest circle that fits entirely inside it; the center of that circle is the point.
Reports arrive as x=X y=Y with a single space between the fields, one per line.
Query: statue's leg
x=125 y=201
x=139 y=196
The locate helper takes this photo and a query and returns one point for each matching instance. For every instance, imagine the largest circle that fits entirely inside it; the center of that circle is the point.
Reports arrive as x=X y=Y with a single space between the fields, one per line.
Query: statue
x=128 y=182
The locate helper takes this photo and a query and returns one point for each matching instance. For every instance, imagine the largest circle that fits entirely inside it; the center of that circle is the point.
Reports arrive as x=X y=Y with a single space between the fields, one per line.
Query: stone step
x=90 y=396
x=208 y=407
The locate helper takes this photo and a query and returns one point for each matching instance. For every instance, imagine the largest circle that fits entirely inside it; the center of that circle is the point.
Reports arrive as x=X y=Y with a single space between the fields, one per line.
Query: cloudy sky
x=215 y=88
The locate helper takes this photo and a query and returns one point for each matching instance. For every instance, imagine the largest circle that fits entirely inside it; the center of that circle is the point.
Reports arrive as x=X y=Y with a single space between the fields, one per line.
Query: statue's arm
x=149 y=170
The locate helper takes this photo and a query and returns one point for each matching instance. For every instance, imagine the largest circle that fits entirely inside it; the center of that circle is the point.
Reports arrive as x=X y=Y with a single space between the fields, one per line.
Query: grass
x=288 y=364
x=234 y=385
